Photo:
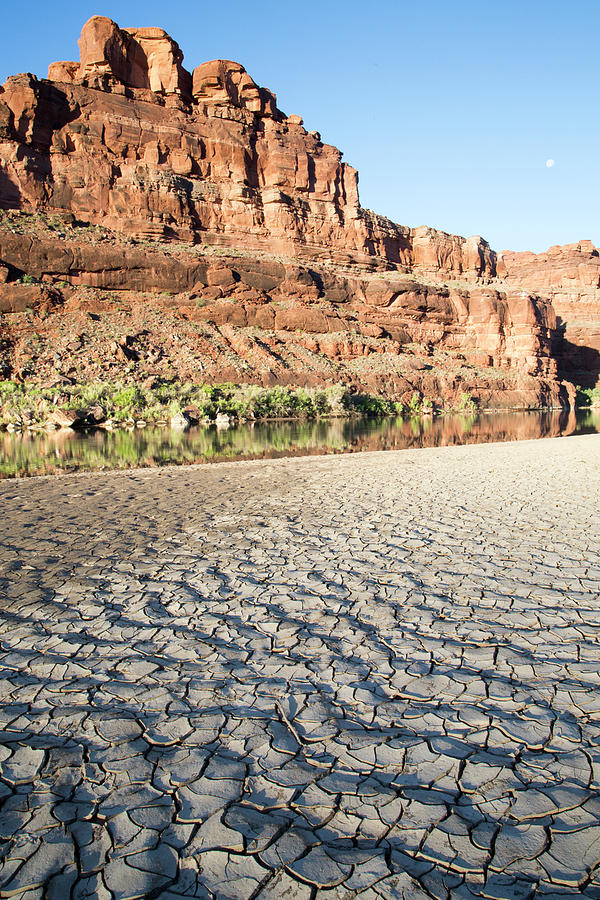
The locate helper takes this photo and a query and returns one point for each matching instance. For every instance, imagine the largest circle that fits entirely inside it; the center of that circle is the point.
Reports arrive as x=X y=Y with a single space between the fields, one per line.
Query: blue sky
x=448 y=110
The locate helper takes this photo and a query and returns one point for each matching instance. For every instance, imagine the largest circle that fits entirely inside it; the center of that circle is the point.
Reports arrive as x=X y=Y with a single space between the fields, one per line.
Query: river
x=72 y=451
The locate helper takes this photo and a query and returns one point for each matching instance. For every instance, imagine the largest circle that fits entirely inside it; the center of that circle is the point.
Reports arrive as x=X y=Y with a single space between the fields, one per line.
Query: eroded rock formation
x=128 y=139
x=569 y=276
x=381 y=330
x=135 y=57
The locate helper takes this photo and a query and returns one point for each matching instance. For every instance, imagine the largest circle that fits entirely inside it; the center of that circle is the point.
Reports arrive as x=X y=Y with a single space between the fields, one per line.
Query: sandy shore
x=371 y=675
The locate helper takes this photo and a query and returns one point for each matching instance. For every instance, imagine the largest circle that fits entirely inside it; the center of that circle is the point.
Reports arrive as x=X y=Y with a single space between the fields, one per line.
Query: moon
x=549 y=163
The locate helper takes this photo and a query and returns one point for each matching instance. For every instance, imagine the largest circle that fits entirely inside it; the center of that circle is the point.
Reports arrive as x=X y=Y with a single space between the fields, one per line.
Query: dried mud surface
x=366 y=676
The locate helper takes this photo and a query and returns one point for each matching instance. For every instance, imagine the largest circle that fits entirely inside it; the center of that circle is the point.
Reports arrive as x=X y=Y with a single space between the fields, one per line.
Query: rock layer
x=570 y=277
x=330 y=312
x=128 y=139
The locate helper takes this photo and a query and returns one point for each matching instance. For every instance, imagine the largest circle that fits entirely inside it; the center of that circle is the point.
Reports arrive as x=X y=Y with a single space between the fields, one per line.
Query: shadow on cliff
x=10 y=197
x=577 y=363
x=45 y=110
x=52 y=110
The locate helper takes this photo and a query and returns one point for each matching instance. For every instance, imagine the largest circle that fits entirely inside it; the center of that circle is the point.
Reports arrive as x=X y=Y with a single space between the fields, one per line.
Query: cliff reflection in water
x=69 y=451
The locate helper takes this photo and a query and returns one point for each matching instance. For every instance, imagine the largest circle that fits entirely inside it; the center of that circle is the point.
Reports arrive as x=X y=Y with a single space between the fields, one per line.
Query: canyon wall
x=569 y=276
x=380 y=331
x=127 y=139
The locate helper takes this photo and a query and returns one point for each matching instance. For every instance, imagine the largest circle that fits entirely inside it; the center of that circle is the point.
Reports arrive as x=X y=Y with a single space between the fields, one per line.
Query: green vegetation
x=414 y=405
x=122 y=401
x=466 y=403
x=30 y=453
x=588 y=397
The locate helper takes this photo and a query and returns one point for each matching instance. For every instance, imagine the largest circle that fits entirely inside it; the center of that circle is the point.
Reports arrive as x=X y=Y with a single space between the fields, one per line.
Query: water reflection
x=69 y=451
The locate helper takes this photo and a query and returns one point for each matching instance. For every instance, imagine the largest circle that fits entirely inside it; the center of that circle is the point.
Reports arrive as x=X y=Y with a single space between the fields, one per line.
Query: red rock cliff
x=128 y=139
x=569 y=276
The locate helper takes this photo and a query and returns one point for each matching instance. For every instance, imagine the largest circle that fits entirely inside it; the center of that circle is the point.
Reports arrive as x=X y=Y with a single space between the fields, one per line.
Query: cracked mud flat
x=366 y=676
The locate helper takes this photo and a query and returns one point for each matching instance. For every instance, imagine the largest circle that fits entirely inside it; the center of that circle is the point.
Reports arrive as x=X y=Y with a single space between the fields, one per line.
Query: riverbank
x=356 y=673
x=33 y=407
x=26 y=405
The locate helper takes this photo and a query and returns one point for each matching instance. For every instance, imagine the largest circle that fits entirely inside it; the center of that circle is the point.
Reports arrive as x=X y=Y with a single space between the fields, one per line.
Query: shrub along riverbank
x=24 y=405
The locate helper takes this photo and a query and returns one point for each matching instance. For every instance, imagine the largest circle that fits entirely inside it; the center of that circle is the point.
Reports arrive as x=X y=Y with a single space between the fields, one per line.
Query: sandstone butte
x=161 y=222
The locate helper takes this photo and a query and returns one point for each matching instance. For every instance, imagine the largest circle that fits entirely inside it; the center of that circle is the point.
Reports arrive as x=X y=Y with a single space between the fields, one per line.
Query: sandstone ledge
x=199 y=313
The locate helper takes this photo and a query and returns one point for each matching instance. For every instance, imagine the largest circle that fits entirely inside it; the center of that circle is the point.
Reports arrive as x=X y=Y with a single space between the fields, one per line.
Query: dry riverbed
x=366 y=676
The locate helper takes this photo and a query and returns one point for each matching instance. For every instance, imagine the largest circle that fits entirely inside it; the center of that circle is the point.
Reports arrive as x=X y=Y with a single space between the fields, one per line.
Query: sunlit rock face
x=136 y=57
x=111 y=137
x=569 y=276
x=128 y=139
x=225 y=83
